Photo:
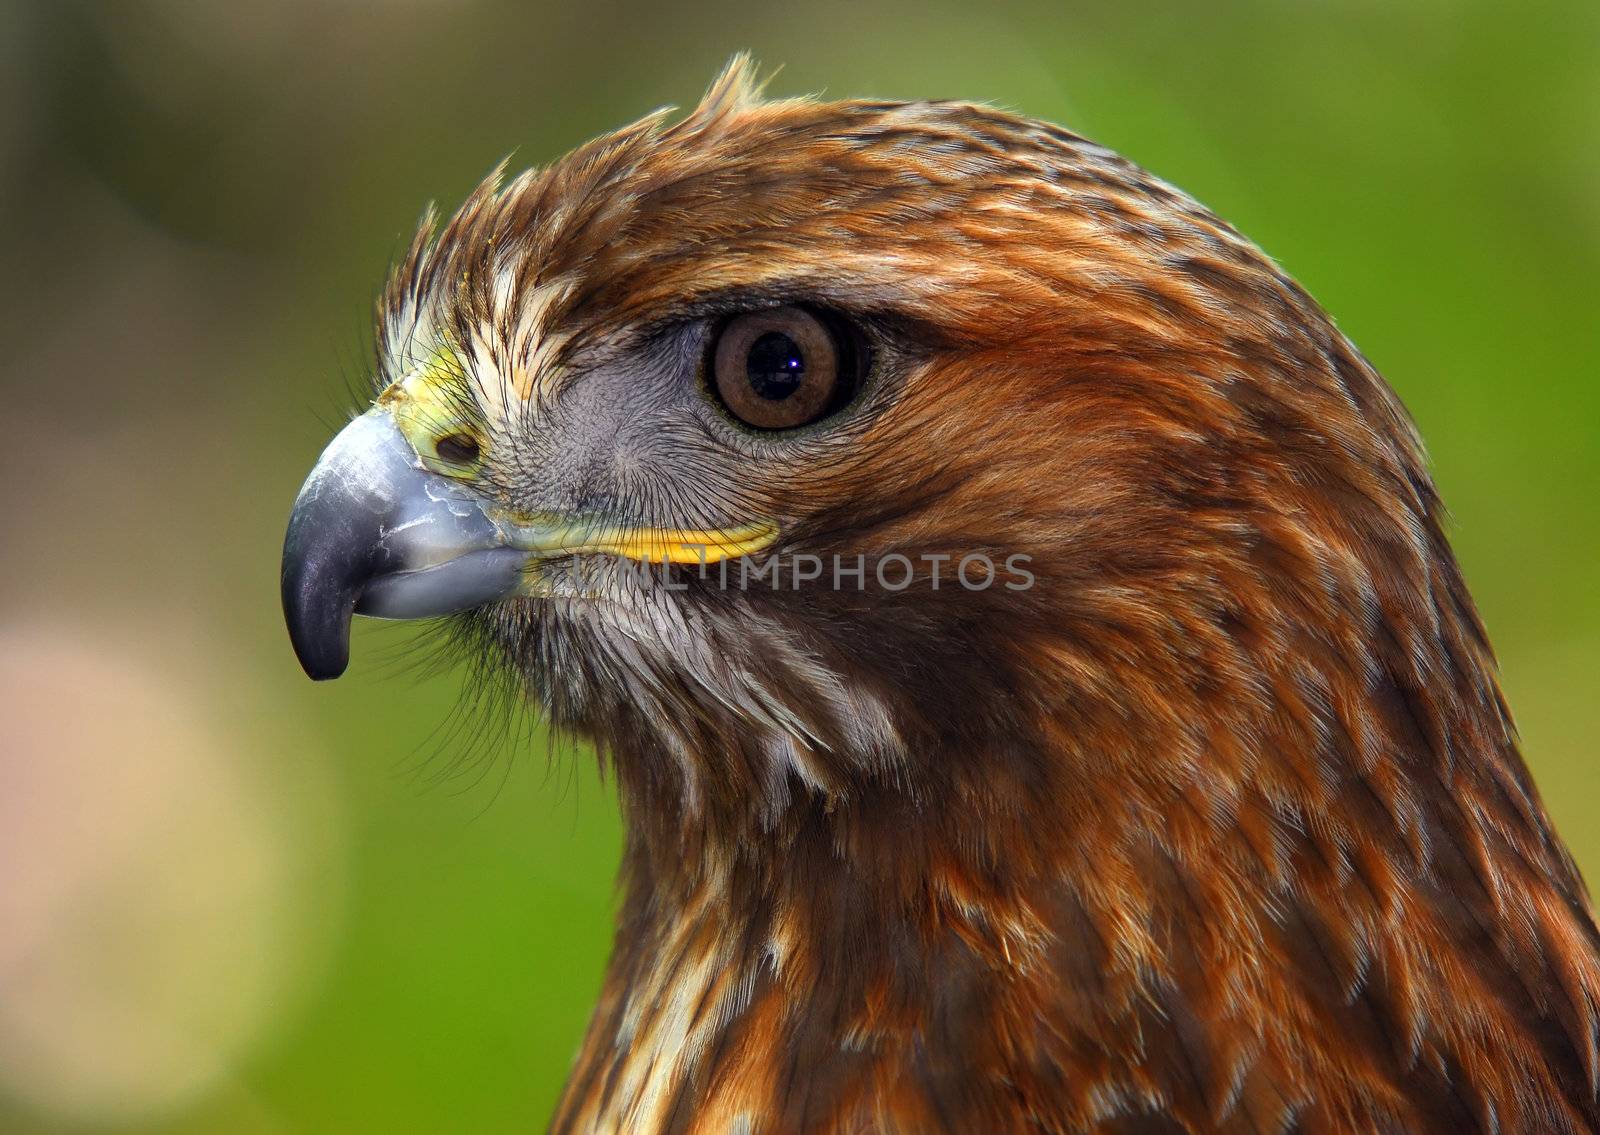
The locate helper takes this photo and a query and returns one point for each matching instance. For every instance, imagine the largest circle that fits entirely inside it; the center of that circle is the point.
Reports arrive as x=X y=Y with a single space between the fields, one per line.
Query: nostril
x=458 y=449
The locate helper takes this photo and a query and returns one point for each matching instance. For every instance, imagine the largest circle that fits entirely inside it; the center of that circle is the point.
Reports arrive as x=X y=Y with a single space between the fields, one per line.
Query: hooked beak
x=375 y=532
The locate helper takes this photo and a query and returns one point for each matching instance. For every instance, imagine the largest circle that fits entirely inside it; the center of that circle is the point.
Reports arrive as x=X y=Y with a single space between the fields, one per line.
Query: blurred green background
x=232 y=901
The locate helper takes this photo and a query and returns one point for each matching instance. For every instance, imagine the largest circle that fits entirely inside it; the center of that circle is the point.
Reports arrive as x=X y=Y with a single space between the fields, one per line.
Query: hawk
x=1021 y=627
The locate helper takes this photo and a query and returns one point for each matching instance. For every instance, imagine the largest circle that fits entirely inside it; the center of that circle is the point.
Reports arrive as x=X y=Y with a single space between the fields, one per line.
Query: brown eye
x=777 y=369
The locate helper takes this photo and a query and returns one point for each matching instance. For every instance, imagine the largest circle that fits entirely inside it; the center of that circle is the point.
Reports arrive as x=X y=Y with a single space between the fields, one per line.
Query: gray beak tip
x=373 y=532
x=317 y=610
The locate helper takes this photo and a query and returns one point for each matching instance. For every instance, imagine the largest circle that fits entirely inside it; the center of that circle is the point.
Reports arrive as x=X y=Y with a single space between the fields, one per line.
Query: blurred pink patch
x=159 y=902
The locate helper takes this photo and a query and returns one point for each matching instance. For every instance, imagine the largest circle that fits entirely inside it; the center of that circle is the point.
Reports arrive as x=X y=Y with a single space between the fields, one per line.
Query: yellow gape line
x=685 y=545
x=548 y=535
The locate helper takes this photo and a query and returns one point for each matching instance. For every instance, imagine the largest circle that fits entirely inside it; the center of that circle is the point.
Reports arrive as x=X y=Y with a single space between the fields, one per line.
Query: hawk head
x=920 y=399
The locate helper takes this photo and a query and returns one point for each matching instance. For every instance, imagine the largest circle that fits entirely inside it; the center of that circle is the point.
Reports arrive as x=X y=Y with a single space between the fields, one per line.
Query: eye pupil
x=775 y=366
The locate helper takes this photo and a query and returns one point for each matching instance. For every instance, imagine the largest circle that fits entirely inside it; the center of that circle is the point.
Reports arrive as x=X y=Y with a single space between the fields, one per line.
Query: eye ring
x=779 y=368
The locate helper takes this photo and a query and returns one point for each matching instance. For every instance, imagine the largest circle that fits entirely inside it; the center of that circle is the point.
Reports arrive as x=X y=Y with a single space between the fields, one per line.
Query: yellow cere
x=427 y=406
